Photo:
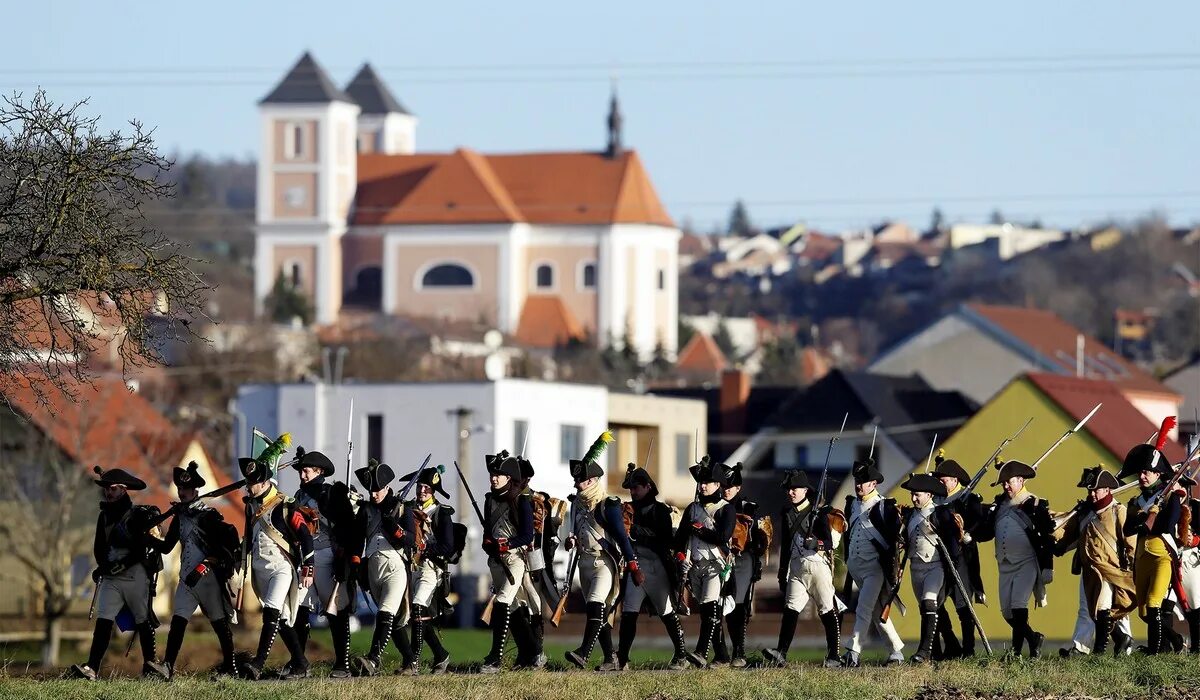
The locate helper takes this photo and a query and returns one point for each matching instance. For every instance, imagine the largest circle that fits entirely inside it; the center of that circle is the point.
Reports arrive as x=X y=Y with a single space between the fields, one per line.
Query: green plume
x=270 y=455
x=598 y=447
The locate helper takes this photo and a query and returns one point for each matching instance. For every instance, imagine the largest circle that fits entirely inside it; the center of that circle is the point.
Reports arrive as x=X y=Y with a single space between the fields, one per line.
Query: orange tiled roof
x=469 y=187
x=701 y=355
x=546 y=322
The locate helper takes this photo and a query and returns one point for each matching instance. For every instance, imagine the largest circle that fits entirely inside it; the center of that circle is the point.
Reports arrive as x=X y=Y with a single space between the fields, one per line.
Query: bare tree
x=80 y=268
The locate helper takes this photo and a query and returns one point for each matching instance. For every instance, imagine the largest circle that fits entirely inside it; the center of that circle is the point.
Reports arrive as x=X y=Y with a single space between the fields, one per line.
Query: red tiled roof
x=469 y=187
x=701 y=355
x=546 y=322
x=1054 y=339
x=1118 y=425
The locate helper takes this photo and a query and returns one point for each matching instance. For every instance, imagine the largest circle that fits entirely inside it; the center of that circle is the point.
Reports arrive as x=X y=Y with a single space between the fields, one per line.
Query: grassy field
x=1164 y=678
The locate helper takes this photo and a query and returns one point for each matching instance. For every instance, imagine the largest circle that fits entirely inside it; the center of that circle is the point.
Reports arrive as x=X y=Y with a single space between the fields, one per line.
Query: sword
x=1069 y=433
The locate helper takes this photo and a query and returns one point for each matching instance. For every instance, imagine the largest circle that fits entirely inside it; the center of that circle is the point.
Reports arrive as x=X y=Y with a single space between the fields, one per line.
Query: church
x=544 y=246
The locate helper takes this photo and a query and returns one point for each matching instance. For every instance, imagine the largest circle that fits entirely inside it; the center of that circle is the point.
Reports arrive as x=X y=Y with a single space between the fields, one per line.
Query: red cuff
x=201 y=569
x=633 y=565
x=680 y=556
x=355 y=560
x=297 y=520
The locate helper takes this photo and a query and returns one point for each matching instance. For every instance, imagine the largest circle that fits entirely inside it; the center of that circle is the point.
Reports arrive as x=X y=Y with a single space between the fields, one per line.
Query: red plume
x=1164 y=432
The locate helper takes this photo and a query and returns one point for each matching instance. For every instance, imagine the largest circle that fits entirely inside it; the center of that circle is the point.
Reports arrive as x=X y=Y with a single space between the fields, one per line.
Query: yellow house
x=1055 y=403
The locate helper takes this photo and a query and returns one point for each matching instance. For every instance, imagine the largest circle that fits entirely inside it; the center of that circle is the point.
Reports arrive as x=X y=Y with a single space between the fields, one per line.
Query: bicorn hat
x=118 y=477
x=187 y=478
x=375 y=476
x=795 y=479
x=1013 y=468
x=636 y=476
x=503 y=463
x=1144 y=457
x=1097 y=477
x=949 y=467
x=431 y=477
x=927 y=483
x=865 y=470
x=315 y=460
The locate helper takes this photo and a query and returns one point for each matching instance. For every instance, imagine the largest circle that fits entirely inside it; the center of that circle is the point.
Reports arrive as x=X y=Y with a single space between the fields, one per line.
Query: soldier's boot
x=174 y=643
x=101 y=636
x=224 y=634
x=951 y=649
x=537 y=623
x=150 y=666
x=625 y=637
x=339 y=629
x=787 y=632
x=1018 y=633
x=420 y=624
x=929 y=620
x=441 y=657
x=522 y=634
x=1193 y=620
x=1153 y=620
x=680 y=656
x=400 y=640
x=253 y=669
x=500 y=621
x=607 y=651
x=591 y=633
x=1104 y=628
x=369 y=665
x=720 y=648
x=303 y=625
x=1122 y=643
x=709 y=620
x=1035 y=639
x=738 y=619
x=1172 y=641
x=966 y=622
x=297 y=666
x=832 y=623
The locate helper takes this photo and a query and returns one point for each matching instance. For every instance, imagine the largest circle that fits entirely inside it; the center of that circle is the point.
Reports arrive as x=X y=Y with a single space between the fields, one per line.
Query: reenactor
x=872 y=544
x=507 y=533
x=702 y=546
x=747 y=569
x=431 y=564
x=538 y=590
x=931 y=538
x=968 y=506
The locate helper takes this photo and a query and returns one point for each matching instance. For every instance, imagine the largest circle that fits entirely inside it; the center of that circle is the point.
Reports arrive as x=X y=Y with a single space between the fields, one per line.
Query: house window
x=588 y=280
x=570 y=443
x=375 y=437
x=520 y=432
x=297 y=276
x=544 y=277
x=683 y=453
x=448 y=276
x=293 y=141
x=662 y=280
x=800 y=458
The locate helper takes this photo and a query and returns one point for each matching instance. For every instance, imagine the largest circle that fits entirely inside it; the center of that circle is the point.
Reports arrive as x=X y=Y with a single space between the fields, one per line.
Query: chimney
x=735 y=392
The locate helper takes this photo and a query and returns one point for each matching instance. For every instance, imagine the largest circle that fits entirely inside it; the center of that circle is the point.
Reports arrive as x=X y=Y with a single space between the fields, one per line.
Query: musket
x=1180 y=472
x=983 y=470
x=350 y=441
x=874 y=432
x=825 y=470
x=562 y=601
x=1069 y=433
x=929 y=459
x=165 y=515
x=331 y=607
x=962 y=590
x=479 y=514
x=524 y=442
x=95 y=595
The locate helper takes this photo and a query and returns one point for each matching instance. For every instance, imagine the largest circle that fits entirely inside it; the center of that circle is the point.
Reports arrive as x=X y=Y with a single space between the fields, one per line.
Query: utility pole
x=463 y=433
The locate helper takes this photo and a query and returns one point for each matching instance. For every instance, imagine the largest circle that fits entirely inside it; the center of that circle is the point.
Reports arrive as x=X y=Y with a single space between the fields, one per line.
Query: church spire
x=614 y=125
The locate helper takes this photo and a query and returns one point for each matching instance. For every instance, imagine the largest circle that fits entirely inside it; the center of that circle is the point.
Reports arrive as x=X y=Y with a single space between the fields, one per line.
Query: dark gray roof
x=306 y=83
x=372 y=95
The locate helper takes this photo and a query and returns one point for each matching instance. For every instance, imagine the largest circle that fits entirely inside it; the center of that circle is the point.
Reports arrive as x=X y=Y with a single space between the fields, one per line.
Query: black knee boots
x=1104 y=628
x=627 y=634
x=266 y=639
x=224 y=634
x=832 y=622
x=591 y=633
x=174 y=642
x=339 y=629
x=966 y=623
x=499 y=624
x=929 y=620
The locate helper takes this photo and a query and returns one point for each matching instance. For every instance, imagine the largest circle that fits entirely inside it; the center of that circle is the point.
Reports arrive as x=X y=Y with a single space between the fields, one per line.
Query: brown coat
x=1096 y=538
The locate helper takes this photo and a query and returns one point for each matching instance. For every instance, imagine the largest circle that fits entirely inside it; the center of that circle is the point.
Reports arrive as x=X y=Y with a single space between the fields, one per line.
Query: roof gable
x=371 y=94
x=306 y=83
x=701 y=355
x=546 y=322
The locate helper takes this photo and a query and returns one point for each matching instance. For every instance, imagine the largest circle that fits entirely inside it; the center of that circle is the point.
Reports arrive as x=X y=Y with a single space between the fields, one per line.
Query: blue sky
x=835 y=113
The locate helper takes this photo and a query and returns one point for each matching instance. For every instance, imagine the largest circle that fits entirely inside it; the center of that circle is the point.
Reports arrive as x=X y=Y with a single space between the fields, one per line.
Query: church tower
x=384 y=126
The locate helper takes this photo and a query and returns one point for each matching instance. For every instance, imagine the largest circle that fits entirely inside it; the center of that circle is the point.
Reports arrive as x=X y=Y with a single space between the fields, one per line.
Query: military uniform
x=386 y=529
x=747 y=569
x=1103 y=558
x=128 y=563
x=335 y=520
x=1189 y=567
x=279 y=541
x=539 y=594
x=652 y=533
x=1154 y=520
x=603 y=551
x=507 y=533
x=702 y=548
x=431 y=570
x=932 y=539
x=206 y=563
x=969 y=509
x=1023 y=532
x=806 y=571
x=873 y=531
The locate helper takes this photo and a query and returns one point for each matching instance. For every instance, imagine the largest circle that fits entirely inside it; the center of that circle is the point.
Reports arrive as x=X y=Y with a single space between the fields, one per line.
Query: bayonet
x=825 y=470
x=1069 y=433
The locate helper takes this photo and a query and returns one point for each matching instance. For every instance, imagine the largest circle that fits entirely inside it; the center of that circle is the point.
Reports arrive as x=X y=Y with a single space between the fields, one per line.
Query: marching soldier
x=873 y=534
x=926 y=526
x=651 y=532
x=1189 y=564
x=702 y=546
x=603 y=551
x=1103 y=558
x=278 y=538
x=746 y=570
x=431 y=565
x=537 y=586
x=969 y=509
x=127 y=562
x=329 y=504
x=806 y=569
x=206 y=563
x=1154 y=518
x=386 y=527
x=1023 y=530
x=507 y=533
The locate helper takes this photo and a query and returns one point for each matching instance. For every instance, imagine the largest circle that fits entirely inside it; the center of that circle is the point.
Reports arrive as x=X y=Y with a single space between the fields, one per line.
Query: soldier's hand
x=96 y=575
x=502 y=545
x=1047 y=576
x=306 y=576
x=196 y=574
x=635 y=572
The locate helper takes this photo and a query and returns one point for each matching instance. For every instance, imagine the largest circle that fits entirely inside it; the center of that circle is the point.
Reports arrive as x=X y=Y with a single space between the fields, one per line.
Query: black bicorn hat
x=636 y=476
x=374 y=476
x=254 y=471
x=187 y=478
x=315 y=460
x=1144 y=457
x=949 y=467
x=1097 y=477
x=865 y=470
x=795 y=479
x=118 y=477
x=582 y=471
x=526 y=468
x=503 y=463
x=1013 y=468
x=431 y=477
x=735 y=475
x=707 y=471
x=927 y=483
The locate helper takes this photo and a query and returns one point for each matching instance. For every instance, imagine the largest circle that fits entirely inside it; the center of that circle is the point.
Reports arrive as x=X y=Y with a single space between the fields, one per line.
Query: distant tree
x=724 y=340
x=996 y=217
x=660 y=364
x=782 y=362
x=739 y=220
x=685 y=332
x=79 y=262
x=936 y=221
x=285 y=302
